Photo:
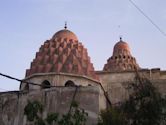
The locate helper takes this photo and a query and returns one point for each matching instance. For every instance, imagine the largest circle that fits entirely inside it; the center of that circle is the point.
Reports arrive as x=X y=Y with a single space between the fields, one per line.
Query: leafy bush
x=145 y=106
x=76 y=116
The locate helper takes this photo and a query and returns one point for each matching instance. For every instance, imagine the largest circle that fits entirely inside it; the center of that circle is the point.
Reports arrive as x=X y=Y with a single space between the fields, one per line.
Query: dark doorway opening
x=70 y=83
x=45 y=84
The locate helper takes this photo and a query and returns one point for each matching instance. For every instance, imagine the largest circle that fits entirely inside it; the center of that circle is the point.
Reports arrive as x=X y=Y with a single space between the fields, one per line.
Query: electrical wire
x=73 y=99
x=23 y=81
x=148 y=18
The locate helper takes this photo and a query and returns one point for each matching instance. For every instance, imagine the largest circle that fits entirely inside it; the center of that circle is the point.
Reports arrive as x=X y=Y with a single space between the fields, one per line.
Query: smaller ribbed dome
x=121 y=60
x=121 y=45
x=65 y=34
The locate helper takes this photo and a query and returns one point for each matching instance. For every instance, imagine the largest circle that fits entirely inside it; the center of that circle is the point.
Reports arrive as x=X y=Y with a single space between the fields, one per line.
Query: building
x=61 y=64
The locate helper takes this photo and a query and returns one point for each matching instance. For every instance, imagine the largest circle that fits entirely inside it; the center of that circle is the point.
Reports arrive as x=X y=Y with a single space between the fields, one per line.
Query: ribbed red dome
x=62 y=53
x=121 y=45
x=65 y=34
x=121 y=60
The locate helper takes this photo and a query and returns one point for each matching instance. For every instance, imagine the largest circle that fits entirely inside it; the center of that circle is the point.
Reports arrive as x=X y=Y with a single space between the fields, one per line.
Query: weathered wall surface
x=90 y=97
x=116 y=83
x=55 y=100
x=59 y=80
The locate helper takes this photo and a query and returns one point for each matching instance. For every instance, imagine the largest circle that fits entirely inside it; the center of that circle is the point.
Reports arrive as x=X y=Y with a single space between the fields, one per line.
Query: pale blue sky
x=26 y=24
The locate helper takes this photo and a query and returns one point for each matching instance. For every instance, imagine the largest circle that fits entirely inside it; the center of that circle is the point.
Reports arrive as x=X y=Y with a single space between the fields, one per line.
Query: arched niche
x=45 y=84
x=70 y=83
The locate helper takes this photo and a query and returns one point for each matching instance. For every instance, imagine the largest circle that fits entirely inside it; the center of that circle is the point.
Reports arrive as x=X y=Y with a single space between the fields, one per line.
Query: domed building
x=121 y=60
x=64 y=61
x=60 y=61
x=62 y=72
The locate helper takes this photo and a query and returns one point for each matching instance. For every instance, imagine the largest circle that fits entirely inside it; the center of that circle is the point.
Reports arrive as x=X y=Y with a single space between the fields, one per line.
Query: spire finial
x=120 y=38
x=65 y=25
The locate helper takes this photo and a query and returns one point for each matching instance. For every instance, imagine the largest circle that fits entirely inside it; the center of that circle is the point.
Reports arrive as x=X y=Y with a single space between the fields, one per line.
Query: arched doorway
x=45 y=84
x=69 y=83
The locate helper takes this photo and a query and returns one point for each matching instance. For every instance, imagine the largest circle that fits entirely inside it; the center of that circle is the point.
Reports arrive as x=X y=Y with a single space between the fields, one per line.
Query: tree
x=145 y=106
x=76 y=116
x=111 y=116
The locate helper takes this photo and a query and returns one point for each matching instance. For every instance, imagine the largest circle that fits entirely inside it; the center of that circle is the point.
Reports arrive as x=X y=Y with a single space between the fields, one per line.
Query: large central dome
x=65 y=34
x=62 y=54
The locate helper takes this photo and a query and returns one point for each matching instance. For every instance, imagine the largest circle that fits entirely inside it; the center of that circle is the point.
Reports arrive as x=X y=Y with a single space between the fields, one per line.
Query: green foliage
x=145 y=106
x=76 y=116
x=79 y=117
x=52 y=117
x=39 y=121
x=65 y=120
x=111 y=116
x=32 y=109
x=74 y=104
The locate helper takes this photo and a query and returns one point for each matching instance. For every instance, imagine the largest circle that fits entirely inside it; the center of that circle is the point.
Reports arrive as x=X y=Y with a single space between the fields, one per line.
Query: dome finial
x=120 y=38
x=65 y=25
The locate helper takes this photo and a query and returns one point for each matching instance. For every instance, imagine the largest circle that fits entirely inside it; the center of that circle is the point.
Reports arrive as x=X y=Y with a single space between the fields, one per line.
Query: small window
x=70 y=83
x=45 y=84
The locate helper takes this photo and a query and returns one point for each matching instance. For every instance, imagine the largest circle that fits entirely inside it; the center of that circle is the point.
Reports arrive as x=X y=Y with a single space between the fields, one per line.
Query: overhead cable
x=23 y=81
x=148 y=18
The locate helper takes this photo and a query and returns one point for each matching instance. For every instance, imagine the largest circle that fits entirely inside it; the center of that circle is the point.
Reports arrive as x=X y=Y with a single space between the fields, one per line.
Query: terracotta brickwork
x=121 y=60
x=62 y=53
x=62 y=59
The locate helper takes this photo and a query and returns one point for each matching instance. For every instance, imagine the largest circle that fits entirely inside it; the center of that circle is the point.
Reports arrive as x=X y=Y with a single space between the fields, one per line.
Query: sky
x=98 y=24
